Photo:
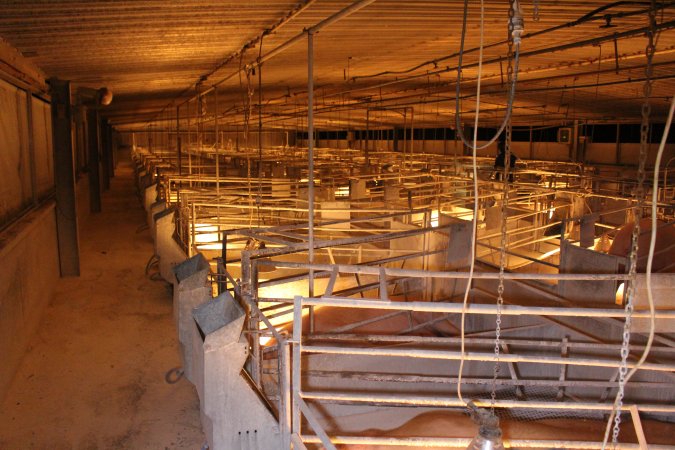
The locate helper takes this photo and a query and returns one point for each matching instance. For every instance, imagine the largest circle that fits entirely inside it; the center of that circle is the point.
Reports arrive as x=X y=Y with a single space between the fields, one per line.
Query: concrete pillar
x=64 y=179
x=94 y=166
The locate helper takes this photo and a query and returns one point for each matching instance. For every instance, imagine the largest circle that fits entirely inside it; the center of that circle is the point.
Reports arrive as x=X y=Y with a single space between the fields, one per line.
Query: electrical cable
x=652 y=242
x=517 y=22
x=650 y=259
x=474 y=222
x=645 y=138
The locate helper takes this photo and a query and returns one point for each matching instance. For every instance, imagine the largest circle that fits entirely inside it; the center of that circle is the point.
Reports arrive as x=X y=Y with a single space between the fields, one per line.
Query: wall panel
x=15 y=188
x=42 y=139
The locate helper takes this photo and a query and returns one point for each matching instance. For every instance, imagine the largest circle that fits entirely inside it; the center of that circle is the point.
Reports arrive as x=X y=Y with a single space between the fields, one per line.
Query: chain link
x=637 y=214
x=535 y=14
x=504 y=209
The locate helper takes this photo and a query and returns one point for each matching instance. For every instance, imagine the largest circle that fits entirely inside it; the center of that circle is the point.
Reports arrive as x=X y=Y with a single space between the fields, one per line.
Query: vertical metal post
x=193 y=224
x=405 y=134
x=64 y=178
x=412 y=134
x=575 y=141
x=113 y=150
x=285 y=391
x=223 y=255
x=310 y=157
x=93 y=144
x=189 y=143
x=256 y=369
x=618 y=144
x=246 y=295
x=105 y=153
x=367 y=149
x=178 y=142
x=215 y=114
x=297 y=358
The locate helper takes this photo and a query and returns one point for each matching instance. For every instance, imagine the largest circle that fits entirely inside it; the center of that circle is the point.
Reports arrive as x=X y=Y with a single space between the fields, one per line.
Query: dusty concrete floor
x=93 y=377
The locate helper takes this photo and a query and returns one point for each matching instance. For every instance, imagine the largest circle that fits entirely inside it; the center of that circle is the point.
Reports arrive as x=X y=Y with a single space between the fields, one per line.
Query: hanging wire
x=516 y=26
x=475 y=208
x=504 y=225
x=515 y=30
x=637 y=214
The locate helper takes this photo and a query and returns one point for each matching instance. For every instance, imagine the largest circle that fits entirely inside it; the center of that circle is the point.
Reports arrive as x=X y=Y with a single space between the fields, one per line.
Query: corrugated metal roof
x=152 y=52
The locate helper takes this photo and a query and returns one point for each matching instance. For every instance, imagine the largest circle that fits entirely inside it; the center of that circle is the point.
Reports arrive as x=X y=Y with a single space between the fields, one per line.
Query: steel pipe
x=475 y=356
x=446 y=402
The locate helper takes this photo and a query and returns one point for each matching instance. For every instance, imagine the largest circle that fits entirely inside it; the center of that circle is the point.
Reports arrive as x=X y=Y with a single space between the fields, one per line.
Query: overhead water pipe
x=345 y=12
x=516 y=27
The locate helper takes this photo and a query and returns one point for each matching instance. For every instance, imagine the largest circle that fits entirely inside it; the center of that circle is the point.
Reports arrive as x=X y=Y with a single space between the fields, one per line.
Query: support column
x=178 y=142
x=105 y=154
x=111 y=149
x=94 y=166
x=64 y=179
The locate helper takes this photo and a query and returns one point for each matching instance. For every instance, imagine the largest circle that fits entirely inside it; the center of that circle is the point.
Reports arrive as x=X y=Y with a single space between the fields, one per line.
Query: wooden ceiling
x=385 y=56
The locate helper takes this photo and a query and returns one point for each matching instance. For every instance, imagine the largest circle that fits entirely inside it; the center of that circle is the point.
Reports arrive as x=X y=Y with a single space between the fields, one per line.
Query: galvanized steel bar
x=347 y=268
x=475 y=356
x=437 y=442
x=509 y=310
x=446 y=402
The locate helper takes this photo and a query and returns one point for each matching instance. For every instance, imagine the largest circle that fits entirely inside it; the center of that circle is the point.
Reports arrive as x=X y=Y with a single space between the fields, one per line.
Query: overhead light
x=105 y=96
x=94 y=97
x=489 y=434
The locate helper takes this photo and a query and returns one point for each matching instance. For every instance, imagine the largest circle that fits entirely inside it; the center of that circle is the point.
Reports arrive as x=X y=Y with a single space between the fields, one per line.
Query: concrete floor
x=93 y=376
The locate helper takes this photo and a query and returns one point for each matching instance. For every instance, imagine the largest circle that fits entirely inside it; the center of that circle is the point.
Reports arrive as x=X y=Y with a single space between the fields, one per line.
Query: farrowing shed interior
x=371 y=221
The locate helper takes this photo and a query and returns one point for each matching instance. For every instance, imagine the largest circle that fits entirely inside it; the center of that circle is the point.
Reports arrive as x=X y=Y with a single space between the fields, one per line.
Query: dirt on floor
x=93 y=375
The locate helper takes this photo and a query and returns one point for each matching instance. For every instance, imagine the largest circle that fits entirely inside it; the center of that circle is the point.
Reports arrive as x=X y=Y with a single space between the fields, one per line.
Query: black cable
x=512 y=91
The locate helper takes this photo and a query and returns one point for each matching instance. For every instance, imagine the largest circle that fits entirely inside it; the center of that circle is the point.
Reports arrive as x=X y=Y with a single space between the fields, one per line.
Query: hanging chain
x=504 y=209
x=637 y=214
x=535 y=14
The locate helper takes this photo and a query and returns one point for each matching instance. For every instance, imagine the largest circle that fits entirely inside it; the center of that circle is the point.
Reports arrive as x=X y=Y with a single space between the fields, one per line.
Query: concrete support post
x=94 y=162
x=64 y=179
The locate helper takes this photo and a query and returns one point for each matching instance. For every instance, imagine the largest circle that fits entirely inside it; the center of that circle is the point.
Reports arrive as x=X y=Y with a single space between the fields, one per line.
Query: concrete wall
x=30 y=269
